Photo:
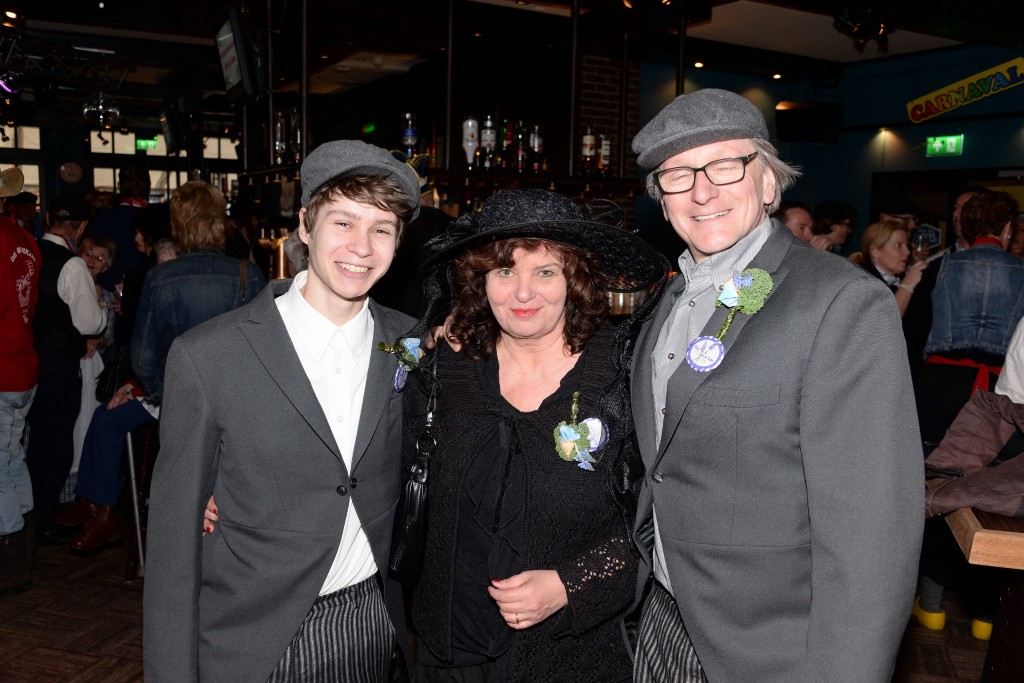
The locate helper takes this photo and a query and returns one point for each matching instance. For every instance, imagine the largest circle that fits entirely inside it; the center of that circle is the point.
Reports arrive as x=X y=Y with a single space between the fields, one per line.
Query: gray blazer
x=789 y=480
x=241 y=421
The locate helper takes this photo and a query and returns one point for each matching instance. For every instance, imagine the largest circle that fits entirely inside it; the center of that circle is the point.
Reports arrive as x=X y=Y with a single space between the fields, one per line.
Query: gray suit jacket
x=241 y=421
x=789 y=481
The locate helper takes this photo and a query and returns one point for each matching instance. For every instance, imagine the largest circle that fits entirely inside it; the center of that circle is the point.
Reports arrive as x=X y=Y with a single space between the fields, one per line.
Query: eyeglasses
x=719 y=172
x=95 y=257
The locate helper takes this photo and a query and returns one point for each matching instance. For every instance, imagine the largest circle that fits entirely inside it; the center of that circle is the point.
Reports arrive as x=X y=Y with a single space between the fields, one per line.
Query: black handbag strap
x=426 y=443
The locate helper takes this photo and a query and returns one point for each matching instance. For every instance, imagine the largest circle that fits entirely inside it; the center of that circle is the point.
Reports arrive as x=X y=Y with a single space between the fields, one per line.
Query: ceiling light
x=698 y=65
x=776 y=76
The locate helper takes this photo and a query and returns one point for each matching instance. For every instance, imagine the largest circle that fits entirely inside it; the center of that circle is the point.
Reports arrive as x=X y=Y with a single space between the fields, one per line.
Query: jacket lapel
x=269 y=339
x=685 y=380
x=641 y=379
x=379 y=379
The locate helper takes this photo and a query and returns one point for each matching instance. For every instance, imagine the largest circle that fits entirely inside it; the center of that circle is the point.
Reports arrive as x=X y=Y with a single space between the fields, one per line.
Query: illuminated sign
x=945 y=146
x=148 y=145
x=970 y=89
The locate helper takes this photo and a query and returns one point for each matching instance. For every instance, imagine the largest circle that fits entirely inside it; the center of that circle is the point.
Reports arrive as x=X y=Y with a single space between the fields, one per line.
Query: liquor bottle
x=470 y=139
x=536 y=149
x=588 y=151
x=521 y=152
x=488 y=144
x=409 y=137
x=604 y=155
x=506 y=144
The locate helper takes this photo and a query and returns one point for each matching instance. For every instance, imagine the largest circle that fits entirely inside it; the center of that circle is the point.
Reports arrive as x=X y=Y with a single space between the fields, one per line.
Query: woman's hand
x=915 y=272
x=121 y=396
x=91 y=344
x=210 y=516
x=529 y=598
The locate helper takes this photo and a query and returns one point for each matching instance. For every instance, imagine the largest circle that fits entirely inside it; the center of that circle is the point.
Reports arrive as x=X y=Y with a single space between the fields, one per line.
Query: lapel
x=641 y=386
x=379 y=378
x=685 y=380
x=265 y=331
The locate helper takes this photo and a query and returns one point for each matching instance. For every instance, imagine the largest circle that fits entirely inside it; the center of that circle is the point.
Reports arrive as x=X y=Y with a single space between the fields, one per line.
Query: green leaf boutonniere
x=408 y=352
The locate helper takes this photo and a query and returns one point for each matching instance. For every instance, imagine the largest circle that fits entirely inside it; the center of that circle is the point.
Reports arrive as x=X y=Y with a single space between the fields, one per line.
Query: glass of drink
x=919 y=246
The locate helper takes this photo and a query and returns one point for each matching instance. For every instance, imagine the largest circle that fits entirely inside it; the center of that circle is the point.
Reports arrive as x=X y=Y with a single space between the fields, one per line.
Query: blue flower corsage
x=408 y=352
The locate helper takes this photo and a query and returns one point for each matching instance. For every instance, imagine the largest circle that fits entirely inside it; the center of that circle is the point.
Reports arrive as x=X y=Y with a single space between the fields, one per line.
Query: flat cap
x=355 y=157
x=698 y=118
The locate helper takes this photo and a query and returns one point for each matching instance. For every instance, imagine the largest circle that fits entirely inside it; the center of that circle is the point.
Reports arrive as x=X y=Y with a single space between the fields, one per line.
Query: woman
x=523 y=506
x=884 y=253
x=977 y=303
x=529 y=564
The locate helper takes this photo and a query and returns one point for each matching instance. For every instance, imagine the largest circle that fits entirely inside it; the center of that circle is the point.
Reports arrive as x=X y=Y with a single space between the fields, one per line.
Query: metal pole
x=449 y=72
x=573 y=84
x=623 y=101
x=304 y=83
x=270 y=83
x=135 y=504
x=681 y=63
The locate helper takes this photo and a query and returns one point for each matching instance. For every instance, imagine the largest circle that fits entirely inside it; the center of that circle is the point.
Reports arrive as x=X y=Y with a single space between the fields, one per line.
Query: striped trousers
x=346 y=636
x=664 y=653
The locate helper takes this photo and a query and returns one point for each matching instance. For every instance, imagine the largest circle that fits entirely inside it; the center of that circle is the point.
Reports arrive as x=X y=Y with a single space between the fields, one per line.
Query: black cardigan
x=573 y=524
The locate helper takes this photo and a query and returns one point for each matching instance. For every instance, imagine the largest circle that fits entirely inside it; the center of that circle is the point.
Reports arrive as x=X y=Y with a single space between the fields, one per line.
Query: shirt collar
x=317 y=334
x=66 y=242
x=891 y=280
x=721 y=266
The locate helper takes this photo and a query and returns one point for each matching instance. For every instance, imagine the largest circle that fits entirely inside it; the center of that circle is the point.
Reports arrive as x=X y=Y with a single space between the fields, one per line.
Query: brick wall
x=600 y=91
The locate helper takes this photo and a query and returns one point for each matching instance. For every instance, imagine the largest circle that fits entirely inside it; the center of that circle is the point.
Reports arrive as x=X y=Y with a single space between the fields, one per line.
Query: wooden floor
x=82 y=621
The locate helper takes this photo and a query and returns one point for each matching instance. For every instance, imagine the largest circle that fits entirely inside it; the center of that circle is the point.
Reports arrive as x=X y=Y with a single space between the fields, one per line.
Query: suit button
x=341 y=490
x=354 y=482
x=657 y=477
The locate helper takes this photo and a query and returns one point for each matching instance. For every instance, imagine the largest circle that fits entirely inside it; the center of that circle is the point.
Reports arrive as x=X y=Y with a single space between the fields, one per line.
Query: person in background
x=118 y=223
x=797 y=217
x=771 y=397
x=20 y=210
x=166 y=249
x=977 y=302
x=99 y=253
x=67 y=313
x=834 y=220
x=900 y=209
x=20 y=264
x=1016 y=246
x=152 y=224
x=884 y=253
x=176 y=296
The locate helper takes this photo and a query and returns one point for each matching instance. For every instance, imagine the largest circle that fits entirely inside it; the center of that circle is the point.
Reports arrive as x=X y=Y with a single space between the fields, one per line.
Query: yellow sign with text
x=970 y=89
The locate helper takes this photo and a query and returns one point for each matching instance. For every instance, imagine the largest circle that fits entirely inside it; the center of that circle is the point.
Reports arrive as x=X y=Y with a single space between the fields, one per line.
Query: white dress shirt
x=75 y=287
x=336 y=361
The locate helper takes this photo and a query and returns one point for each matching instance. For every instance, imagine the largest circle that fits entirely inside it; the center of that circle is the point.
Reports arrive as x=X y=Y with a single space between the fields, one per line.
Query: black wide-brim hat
x=630 y=263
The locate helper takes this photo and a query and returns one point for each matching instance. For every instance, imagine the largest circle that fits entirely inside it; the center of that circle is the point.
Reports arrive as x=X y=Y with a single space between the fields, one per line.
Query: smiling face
x=711 y=218
x=528 y=298
x=96 y=258
x=350 y=248
x=892 y=256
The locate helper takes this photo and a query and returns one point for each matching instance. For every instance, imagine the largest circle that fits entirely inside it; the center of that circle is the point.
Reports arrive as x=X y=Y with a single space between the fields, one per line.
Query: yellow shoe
x=935 y=621
x=982 y=630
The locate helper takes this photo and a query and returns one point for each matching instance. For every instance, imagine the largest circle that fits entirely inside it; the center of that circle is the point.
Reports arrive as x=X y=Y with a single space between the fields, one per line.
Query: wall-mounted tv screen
x=236 y=57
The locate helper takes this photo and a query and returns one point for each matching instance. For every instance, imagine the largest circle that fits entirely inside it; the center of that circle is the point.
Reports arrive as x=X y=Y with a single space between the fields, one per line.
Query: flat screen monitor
x=236 y=60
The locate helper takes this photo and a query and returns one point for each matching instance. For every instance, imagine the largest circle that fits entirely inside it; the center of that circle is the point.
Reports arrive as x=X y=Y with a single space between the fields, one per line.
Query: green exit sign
x=148 y=145
x=945 y=146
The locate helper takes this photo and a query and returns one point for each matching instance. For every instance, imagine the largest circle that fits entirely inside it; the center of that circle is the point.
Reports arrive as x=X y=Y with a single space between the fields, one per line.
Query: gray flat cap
x=699 y=118
x=355 y=157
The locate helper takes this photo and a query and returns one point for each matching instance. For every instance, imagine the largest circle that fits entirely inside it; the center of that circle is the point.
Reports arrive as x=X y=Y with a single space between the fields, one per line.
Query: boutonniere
x=745 y=293
x=408 y=352
x=577 y=441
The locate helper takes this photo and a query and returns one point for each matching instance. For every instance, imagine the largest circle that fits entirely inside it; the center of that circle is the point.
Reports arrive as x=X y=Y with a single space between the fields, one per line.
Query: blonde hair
x=198 y=216
x=875 y=236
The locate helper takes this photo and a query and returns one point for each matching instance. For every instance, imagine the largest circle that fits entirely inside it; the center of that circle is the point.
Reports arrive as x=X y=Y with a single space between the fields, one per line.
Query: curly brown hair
x=474 y=326
x=987 y=213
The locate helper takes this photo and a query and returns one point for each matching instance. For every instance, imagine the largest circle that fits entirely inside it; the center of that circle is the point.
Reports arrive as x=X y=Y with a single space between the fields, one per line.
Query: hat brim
x=630 y=263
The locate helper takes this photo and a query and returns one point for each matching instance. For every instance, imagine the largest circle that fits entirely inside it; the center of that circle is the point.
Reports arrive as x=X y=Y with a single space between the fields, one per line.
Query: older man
x=797 y=217
x=784 y=468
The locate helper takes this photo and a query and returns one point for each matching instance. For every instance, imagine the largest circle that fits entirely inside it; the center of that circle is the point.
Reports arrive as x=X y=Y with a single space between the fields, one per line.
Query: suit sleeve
x=865 y=486
x=182 y=482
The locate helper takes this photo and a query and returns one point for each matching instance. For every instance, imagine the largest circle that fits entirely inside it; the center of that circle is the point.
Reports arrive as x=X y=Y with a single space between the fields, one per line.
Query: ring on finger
x=517 y=618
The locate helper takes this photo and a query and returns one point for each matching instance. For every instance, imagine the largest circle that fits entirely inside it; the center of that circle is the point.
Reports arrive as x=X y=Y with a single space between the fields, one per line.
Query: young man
x=285 y=412
x=782 y=461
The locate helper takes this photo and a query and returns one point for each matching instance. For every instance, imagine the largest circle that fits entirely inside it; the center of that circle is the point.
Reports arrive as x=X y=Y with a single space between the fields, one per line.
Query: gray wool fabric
x=354 y=157
x=696 y=119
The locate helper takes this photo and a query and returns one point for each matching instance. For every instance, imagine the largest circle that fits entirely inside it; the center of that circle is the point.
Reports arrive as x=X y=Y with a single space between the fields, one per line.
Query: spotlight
x=11 y=82
x=3 y=135
x=99 y=134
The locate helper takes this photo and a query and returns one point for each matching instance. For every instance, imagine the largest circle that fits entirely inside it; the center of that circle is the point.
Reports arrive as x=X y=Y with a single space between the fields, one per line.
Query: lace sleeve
x=600 y=583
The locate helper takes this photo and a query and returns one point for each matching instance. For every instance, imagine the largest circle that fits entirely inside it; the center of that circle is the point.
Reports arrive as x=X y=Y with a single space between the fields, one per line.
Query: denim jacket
x=177 y=296
x=977 y=301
